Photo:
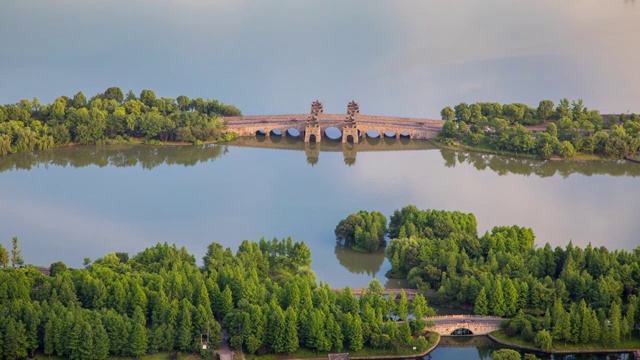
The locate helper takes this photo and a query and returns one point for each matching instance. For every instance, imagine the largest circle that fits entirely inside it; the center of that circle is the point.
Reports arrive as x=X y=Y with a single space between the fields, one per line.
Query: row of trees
x=580 y=325
x=29 y=125
x=265 y=295
x=570 y=129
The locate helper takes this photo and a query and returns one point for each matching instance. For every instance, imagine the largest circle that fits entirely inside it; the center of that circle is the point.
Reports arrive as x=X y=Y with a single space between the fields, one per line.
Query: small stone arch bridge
x=454 y=325
x=385 y=126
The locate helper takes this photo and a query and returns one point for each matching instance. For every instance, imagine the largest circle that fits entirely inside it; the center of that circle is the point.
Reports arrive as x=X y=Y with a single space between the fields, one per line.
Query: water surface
x=71 y=203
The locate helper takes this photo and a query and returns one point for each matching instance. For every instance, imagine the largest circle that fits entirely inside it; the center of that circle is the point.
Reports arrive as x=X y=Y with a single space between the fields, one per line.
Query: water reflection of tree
x=508 y=165
x=360 y=263
x=148 y=157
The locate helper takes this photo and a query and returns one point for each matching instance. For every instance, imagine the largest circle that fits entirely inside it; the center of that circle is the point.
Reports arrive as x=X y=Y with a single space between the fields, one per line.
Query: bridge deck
x=252 y=119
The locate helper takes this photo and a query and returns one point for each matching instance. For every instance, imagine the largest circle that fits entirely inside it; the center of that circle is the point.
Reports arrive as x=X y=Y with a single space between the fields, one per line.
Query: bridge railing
x=465 y=325
x=437 y=317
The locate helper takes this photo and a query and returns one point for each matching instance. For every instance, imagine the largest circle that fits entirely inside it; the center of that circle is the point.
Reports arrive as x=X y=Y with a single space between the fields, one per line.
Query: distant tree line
x=29 y=125
x=570 y=128
x=566 y=294
x=265 y=295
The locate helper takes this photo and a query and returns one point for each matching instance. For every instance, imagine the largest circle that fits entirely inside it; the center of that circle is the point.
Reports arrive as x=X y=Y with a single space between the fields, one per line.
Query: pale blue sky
x=407 y=58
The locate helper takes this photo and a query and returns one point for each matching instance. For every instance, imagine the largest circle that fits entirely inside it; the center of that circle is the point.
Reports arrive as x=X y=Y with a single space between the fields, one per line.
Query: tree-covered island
x=264 y=295
x=555 y=298
x=568 y=130
x=111 y=117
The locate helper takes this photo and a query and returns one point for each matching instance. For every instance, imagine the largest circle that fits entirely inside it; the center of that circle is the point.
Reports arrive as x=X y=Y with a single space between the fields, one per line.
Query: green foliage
x=543 y=340
x=505 y=354
x=448 y=114
x=362 y=231
x=449 y=129
x=481 y=304
x=28 y=126
x=573 y=128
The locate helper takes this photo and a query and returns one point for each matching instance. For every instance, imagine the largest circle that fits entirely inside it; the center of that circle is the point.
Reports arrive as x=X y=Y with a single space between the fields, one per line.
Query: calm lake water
x=481 y=347
x=71 y=203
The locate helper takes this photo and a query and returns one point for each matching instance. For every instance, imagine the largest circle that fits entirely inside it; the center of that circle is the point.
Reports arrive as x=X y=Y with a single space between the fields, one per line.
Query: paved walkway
x=225 y=350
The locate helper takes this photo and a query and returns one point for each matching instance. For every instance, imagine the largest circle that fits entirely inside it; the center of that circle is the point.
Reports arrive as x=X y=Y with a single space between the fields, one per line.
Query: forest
x=564 y=130
x=264 y=295
x=570 y=295
x=111 y=117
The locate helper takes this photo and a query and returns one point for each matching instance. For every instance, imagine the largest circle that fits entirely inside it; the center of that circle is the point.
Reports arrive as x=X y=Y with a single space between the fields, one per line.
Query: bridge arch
x=261 y=133
x=333 y=133
x=461 y=332
x=373 y=133
x=389 y=133
x=293 y=132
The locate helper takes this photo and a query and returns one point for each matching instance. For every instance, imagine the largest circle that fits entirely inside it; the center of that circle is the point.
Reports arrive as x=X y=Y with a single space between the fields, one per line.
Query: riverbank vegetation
x=264 y=295
x=568 y=295
x=566 y=130
x=108 y=117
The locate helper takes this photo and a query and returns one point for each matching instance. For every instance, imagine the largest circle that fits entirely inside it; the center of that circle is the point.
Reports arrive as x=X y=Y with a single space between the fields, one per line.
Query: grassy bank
x=560 y=346
x=431 y=338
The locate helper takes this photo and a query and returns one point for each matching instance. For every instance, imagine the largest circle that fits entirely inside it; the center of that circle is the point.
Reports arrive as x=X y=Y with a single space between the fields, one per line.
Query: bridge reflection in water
x=349 y=150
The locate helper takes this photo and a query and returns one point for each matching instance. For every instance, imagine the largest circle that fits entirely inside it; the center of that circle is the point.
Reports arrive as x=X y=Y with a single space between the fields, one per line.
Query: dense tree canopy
x=28 y=125
x=265 y=295
x=362 y=231
x=571 y=128
x=577 y=295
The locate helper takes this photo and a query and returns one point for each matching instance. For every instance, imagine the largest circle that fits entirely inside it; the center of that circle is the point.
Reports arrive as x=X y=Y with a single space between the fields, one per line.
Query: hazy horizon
x=407 y=58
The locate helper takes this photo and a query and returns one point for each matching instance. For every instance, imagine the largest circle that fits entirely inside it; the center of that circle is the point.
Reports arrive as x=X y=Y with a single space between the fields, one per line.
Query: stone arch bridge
x=452 y=325
x=385 y=126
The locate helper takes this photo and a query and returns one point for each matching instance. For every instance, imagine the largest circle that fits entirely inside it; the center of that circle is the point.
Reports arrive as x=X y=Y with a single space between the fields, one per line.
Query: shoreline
x=558 y=352
x=577 y=158
x=374 y=357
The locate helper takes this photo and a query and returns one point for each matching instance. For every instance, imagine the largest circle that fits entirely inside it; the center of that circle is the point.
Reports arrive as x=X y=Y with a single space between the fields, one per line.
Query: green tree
x=184 y=340
x=356 y=340
x=79 y=100
x=419 y=307
x=552 y=129
x=403 y=306
x=4 y=257
x=449 y=129
x=448 y=114
x=613 y=334
x=498 y=305
x=15 y=340
x=16 y=254
x=545 y=109
x=148 y=97
x=291 y=331
x=505 y=354
x=276 y=328
x=566 y=149
x=481 y=305
x=114 y=93
x=543 y=340
x=138 y=341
